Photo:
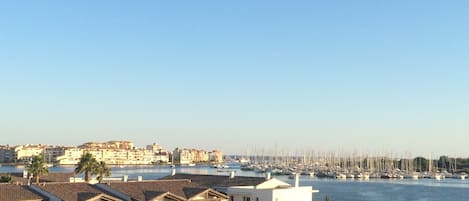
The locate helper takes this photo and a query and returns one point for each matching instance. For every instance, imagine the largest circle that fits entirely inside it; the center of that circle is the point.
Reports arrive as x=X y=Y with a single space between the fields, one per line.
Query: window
x=231 y=198
x=257 y=198
x=246 y=198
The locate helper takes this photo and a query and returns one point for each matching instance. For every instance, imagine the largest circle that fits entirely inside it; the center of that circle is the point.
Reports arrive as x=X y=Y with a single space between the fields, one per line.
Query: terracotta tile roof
x=71 y=191
x=57 y=177
x=149 y=195
x=141 y=191
x=212 y=181
x=83 y=196
x=11 y=192
x=87 y=196
x=16 y=178
x=51 y=177
x=191 y=192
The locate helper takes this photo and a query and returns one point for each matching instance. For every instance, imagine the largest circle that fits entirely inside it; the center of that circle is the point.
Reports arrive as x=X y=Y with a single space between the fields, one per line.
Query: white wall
x=239 y=192
x=287 y=194
x=296 y=194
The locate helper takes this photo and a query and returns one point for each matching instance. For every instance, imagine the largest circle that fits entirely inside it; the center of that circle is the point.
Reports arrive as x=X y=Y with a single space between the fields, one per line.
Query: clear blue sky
x=238 y=75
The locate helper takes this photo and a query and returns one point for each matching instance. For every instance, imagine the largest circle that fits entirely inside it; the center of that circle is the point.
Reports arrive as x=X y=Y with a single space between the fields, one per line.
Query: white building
x=271 y=190
x=162 y=157
x=71 y=156
x=26 y=152
x=240 y=188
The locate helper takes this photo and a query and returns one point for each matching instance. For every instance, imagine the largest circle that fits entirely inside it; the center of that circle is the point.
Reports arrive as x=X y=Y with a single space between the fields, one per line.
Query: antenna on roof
x=29 y=179
x=297 y=180
x=268 y=176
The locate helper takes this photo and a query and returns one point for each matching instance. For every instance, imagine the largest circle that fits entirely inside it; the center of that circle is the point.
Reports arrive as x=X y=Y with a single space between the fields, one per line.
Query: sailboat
x=463 y=176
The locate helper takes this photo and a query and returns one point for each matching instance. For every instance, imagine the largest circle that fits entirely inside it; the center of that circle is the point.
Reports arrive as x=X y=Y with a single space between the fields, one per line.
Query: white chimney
x=125 y=178
x=297 y=180
x=232 y=174
x=173 y=171
x=268 y=176
x=139 y=178
x=29 y=179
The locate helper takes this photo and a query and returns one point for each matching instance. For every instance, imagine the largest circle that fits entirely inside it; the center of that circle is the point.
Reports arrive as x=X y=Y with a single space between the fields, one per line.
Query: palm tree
x=102 y=170
x=37 y=167
x=87 y=165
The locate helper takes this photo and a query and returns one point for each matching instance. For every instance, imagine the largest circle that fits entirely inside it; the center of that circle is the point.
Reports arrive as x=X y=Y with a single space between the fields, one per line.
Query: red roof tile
x=11 y=192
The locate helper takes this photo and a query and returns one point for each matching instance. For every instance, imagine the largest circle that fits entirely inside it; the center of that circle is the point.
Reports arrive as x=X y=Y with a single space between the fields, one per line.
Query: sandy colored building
x=186 y=156
x=26 y=152
x=113 y=144
x=127 y=154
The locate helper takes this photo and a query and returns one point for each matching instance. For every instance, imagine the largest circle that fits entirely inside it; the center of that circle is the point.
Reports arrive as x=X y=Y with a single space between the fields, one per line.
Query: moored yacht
x=341 y=176
x=462 y=177
x=437 y=176
x=415 y=176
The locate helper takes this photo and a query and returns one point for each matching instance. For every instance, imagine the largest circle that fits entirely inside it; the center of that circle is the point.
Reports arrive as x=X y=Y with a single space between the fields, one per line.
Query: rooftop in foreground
x=211 y=181
x=10 y=192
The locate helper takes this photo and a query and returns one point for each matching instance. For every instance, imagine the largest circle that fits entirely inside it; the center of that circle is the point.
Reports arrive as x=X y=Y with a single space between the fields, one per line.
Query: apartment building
x=26 y=152
x=108 y=145
x=182 y=156
x=186 y=156
x=52 y=152
x=7 y=154
x=112 y=152
x=71 y=156
x=107 y=152
x=216 y=156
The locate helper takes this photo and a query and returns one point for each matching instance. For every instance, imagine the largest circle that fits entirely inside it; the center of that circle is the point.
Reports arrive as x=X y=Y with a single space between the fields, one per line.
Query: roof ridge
x=148 y=181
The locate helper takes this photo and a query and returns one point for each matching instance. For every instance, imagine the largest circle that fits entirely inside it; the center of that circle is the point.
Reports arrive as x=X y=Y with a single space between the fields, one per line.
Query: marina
x=361 y=167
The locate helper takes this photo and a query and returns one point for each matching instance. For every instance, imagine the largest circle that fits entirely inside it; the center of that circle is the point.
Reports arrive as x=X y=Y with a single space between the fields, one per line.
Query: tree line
x=444 y=163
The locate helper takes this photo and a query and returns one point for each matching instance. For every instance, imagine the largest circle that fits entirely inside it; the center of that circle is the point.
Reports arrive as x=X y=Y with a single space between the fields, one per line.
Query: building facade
x=114 y=144
x=26 y=152
x=271 y=190
x=185 y=156
x=111 y=152
x=115 y=153
x=7 y=154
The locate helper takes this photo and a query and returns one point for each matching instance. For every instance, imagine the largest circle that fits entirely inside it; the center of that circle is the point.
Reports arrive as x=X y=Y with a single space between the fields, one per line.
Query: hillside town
x=111 y=152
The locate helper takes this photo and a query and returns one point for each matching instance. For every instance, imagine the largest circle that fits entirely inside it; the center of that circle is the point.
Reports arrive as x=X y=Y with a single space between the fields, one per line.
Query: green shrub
x=5 y=179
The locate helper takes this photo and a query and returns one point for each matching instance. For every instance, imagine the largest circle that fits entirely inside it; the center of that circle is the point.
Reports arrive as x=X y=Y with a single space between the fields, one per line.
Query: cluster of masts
x=351 y=167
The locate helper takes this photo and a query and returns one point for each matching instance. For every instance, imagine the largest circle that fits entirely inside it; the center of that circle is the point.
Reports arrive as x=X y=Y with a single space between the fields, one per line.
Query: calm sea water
x=337 y=190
